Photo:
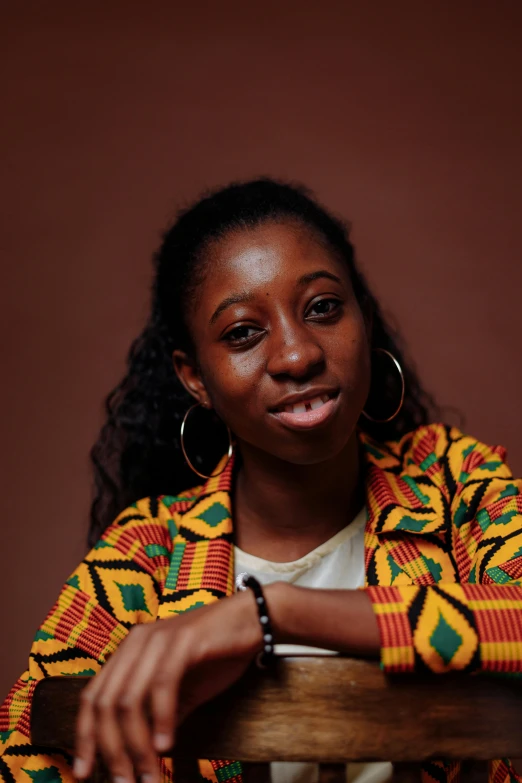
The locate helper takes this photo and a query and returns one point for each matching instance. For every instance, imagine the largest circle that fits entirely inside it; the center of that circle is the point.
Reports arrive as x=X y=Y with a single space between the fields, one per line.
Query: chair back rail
x=330 y=710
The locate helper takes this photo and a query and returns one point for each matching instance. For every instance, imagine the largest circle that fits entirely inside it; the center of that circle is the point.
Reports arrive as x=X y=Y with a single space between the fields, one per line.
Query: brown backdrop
x=404 y=117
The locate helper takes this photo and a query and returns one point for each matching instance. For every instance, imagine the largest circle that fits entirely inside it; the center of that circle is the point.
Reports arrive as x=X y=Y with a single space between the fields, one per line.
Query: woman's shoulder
x=459 y=450
x=148 y=525
x=439 y=449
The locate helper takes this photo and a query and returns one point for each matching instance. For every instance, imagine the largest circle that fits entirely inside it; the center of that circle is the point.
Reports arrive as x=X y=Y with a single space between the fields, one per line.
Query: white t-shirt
x=335 y=565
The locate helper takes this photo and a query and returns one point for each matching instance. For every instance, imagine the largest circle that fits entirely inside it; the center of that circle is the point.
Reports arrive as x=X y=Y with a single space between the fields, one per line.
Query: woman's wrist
x=340 y=620
x=280 y=598
x=247 y=582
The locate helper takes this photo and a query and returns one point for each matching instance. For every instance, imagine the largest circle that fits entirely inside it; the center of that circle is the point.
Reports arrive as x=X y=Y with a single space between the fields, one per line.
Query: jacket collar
x=395 y=500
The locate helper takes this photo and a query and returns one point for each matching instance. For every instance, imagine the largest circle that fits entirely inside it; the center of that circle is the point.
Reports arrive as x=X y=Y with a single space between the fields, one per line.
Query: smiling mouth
x=307 y=414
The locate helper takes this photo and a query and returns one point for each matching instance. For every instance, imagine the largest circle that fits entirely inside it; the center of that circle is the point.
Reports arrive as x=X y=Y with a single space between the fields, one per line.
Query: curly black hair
x=138 y=451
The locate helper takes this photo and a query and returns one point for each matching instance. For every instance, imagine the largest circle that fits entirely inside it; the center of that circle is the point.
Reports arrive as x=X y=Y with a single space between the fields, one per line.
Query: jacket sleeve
x=474 y=625
x=117 y=585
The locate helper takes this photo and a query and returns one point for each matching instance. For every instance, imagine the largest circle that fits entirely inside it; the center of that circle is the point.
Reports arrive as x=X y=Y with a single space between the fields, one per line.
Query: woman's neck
x=283 y=511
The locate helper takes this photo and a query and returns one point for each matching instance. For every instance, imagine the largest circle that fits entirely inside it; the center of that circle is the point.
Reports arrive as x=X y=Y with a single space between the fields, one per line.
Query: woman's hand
x=171 y=666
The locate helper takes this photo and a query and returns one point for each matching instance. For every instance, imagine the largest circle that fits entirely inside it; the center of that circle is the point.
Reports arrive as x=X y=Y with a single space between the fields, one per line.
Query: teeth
x=308 y=405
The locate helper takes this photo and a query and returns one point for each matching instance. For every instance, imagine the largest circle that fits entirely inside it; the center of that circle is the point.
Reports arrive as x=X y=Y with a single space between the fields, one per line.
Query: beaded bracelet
x=266 y=656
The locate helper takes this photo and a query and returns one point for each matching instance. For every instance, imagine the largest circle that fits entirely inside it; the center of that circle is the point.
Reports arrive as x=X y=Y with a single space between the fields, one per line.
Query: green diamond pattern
x=467 y=452
x=445 y=639
x=42 y=636
x=195 y=605
x=168 y=500
x=133 y=597
x=506 y=517
x=373 y=451
x=510 y=491
x=47 y=775
x=395 y=570
x=428 y=461
x=483 y=519
x=435 y=569
x=491 y=465
x=153 y=550
x=214 y=514
x=416 y=489
x=175 y=563
x=460 y=514
x=230 y=771
x=409 y=523
x=498 y=575
x=173 y=530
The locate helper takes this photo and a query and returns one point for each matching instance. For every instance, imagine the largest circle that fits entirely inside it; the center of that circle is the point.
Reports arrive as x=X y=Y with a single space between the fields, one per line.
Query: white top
x=335 y=565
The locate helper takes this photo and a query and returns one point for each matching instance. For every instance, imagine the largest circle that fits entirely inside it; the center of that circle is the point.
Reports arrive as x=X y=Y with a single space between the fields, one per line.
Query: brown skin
x=294 y=491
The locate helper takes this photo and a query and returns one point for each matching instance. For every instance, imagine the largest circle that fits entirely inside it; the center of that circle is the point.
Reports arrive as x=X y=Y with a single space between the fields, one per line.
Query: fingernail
x=162 y=742
x=80 y=768
x=120 y=779
x=147 y=778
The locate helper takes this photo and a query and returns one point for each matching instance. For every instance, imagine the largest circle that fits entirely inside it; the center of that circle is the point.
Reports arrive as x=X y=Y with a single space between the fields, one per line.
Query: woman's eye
x=324 y=307
x=241 y=334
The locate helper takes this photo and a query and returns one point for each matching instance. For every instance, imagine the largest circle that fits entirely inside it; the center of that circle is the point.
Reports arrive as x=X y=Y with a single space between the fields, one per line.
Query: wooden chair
x=327 y=710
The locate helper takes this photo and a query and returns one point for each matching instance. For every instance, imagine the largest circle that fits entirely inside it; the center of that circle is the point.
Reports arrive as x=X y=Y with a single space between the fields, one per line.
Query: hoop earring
x=182 y=440
x=403 y=389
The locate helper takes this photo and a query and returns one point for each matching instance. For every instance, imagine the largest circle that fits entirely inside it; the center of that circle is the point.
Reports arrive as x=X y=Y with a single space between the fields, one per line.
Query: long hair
x=138 y=451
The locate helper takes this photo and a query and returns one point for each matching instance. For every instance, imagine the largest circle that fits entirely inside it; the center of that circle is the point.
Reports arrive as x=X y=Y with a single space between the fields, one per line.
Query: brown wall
x=405 y=117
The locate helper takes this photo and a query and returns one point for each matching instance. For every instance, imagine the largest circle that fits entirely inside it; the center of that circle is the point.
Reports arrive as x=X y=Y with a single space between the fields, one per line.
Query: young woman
x=368 y=529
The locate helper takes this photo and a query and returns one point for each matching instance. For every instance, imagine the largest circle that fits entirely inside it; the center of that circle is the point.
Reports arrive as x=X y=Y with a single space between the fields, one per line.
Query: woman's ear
x=188 y=373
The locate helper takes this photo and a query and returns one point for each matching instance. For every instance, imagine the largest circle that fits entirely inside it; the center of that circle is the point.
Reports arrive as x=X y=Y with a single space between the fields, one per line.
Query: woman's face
x=282 y=348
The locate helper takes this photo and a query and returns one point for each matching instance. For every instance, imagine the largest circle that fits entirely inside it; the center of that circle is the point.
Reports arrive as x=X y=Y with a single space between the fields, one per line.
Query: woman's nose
x=295 y=352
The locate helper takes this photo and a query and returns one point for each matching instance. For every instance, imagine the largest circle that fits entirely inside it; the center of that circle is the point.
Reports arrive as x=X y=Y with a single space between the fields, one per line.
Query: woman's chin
x=316 y=449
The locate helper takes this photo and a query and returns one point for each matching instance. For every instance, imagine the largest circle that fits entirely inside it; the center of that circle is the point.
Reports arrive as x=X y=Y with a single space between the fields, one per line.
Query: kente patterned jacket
x=443 y=556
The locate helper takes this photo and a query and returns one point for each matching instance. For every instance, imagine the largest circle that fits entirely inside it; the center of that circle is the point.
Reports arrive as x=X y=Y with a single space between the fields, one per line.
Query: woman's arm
x=475 y=624
x=340 y=620
x=114 y=588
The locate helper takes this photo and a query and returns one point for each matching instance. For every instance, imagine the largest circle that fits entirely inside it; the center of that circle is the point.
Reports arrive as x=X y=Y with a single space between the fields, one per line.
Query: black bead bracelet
x=266 y=656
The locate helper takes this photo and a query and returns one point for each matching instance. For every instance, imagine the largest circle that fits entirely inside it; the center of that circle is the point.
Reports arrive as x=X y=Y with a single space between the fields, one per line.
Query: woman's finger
x=96 y=727
x=130 y=709
x=164 y=700
x=85 y=750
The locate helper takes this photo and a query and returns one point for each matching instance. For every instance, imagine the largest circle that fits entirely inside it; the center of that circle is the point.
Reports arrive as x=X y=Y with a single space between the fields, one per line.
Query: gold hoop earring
x=403 y=389
x=182 y=440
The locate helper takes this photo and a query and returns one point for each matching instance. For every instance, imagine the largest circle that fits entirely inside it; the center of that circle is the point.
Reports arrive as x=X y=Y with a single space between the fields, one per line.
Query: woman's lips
x=308 y=419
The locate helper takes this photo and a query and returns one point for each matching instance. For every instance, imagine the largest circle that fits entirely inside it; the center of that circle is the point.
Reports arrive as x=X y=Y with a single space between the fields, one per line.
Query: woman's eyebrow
x=228 y=302
x=309 y=278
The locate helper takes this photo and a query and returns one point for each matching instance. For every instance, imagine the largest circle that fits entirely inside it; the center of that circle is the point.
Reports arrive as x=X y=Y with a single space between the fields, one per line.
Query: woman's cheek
x=234 y=385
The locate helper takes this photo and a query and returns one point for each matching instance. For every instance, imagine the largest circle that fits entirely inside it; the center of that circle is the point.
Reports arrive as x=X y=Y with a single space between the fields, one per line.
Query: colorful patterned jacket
x=443 y=572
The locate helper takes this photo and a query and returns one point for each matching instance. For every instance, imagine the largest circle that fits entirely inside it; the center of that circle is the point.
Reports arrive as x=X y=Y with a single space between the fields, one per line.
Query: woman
x=372 y=531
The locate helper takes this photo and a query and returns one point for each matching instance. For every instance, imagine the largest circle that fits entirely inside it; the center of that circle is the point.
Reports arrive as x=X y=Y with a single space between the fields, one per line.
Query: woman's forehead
x=268 y=253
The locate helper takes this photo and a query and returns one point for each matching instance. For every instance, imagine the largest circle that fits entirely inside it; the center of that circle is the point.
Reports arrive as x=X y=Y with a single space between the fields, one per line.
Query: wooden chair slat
x=328 y=710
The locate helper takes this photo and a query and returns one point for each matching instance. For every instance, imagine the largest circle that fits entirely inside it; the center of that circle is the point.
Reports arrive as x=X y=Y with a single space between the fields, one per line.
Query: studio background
x=404 y=117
